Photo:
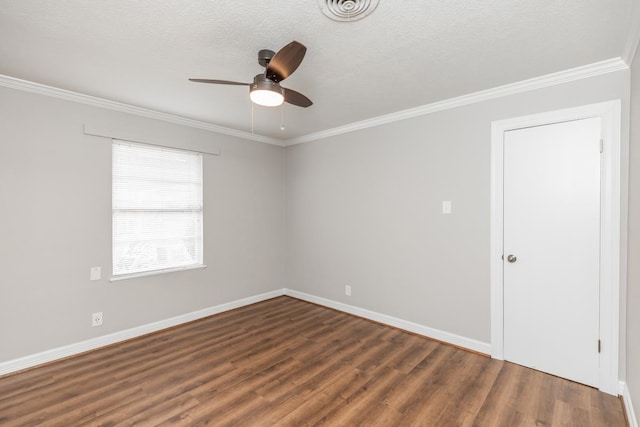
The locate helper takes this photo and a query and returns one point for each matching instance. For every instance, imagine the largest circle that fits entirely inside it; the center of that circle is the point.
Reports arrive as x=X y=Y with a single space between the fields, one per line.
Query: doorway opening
x=609 y=272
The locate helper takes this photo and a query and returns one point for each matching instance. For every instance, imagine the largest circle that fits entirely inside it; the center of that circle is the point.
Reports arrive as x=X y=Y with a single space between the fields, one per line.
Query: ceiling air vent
x=347 y=10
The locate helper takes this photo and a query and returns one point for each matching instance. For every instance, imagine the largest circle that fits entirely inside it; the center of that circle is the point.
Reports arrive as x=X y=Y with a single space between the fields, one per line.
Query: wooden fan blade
x=219 y=82
x=285 y=61
x=296 y=98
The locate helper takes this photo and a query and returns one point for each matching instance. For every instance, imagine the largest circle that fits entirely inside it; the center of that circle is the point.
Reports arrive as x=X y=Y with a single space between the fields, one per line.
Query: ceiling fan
x=265 y=89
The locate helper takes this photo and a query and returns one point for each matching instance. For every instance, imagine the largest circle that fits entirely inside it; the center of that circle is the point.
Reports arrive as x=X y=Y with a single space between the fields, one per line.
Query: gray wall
x=55 y=223
x=633 y=290
x=361 y=209
x=364 y=209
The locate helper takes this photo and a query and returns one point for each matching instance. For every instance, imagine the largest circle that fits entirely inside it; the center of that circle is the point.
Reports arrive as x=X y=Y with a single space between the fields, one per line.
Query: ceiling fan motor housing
x=264 y=57
x=261 y=82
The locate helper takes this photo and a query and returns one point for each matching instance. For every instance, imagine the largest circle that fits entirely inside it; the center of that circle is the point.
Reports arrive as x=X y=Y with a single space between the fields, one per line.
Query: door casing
x=609 y=112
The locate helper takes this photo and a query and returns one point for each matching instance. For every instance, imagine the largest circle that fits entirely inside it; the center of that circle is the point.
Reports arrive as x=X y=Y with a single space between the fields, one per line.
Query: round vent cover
x=347 y=10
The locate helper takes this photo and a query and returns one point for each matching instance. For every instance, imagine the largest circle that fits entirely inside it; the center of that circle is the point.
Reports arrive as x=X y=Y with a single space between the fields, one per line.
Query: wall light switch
x=95 y=273
x=446 y=207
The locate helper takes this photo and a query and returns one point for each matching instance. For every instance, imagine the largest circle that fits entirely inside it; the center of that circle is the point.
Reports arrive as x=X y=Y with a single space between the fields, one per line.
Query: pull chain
x=252 y=117
x=282 y=118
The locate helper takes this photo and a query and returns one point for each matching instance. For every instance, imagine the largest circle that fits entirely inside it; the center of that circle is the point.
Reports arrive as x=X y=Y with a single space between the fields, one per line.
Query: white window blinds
x=157 y=208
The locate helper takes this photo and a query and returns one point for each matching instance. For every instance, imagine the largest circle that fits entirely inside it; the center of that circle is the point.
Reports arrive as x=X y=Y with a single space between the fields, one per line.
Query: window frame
x=156 y=271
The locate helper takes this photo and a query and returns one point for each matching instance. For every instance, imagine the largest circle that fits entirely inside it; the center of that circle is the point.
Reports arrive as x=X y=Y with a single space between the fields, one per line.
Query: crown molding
x=67 y=95
x=633 y=38
x=578 y=73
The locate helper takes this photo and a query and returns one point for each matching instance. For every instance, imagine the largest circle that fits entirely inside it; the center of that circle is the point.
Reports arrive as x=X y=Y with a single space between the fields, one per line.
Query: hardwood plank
x=284 y=362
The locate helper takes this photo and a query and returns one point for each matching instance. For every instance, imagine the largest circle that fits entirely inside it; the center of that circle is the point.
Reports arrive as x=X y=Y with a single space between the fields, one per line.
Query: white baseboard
x=628 y=405
x=94 y=343
x=457 y=340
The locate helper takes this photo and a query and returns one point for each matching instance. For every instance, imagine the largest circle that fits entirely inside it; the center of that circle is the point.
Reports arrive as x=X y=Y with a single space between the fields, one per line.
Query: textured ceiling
x=405 y=54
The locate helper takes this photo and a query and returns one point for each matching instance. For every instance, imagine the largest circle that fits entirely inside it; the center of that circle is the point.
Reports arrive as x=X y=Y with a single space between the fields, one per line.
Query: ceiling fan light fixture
x=266 y=97
x=266 y=92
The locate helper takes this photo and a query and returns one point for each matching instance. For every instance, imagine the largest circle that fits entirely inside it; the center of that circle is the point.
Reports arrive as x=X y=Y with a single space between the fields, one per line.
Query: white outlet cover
x=446 y=207
x=95 y=273
x=96 y=319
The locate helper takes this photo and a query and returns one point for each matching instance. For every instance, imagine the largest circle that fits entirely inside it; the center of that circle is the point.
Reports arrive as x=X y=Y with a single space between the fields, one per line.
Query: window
x=157 y=209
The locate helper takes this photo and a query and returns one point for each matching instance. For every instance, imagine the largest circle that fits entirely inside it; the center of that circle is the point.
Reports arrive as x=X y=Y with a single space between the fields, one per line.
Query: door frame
x=610 y=222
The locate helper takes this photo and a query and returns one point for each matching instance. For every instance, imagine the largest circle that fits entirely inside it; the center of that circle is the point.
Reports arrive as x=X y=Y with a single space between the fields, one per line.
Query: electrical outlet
x=96 y=319
x=347 y=290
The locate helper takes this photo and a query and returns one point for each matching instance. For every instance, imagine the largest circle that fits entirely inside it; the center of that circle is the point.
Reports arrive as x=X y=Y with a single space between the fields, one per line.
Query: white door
x=552 y=248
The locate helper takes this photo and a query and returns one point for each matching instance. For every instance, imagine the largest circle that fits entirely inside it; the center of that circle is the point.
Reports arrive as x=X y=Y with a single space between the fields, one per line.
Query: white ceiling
x=405 y=54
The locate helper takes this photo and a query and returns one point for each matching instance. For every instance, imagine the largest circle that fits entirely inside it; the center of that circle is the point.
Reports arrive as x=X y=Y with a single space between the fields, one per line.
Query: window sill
x=155 y=272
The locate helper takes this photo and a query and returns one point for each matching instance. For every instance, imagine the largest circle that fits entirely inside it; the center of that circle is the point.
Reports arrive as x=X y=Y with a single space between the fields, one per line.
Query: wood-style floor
x=285 y=362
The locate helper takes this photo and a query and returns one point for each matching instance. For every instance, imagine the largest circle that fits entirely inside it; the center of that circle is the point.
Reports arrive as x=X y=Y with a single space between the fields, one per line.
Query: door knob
x=512 y=258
